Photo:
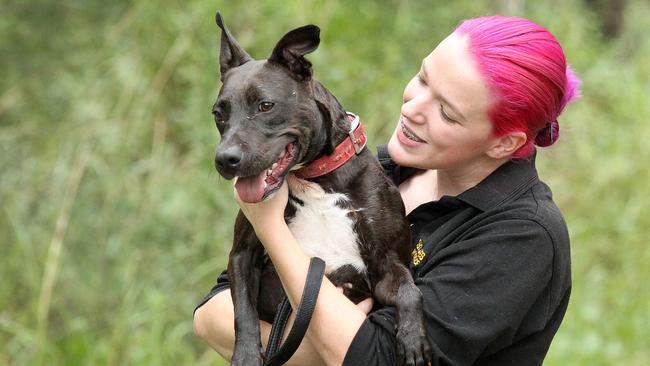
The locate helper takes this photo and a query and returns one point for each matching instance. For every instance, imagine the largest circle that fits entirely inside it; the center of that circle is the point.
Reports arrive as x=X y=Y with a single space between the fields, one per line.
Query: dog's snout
x=228 y=159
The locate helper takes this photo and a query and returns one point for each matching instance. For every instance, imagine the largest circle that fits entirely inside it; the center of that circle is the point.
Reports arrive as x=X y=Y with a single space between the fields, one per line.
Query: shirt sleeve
x=476 y=292
x=222 y=284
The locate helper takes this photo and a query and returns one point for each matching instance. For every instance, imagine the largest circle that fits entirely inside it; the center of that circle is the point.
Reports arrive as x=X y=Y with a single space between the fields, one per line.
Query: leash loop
x=275 y=356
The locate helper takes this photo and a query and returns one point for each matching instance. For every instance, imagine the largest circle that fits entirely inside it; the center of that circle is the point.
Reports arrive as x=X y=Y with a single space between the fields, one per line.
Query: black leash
x=275 y=357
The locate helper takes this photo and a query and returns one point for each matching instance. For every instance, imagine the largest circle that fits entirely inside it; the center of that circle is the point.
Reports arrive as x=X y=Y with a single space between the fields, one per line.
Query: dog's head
x=272 y=116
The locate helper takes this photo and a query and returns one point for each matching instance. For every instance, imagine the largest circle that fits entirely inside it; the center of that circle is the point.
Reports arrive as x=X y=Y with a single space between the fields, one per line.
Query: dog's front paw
x=247 y=356
x=413 y=346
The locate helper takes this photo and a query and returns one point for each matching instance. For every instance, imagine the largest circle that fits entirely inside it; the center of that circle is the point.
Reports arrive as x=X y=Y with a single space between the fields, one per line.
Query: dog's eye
x=265 y=106
x=217 y=116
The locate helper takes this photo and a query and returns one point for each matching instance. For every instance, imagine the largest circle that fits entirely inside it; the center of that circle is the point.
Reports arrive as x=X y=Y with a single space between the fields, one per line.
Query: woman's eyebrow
x=423 y=71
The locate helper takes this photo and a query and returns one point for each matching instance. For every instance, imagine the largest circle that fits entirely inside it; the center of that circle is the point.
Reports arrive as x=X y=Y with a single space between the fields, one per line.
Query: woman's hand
x=365 y=305
x=267 y=215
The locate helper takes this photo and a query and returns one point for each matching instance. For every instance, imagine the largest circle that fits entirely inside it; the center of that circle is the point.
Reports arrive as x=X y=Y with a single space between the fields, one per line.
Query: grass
x=113 y=223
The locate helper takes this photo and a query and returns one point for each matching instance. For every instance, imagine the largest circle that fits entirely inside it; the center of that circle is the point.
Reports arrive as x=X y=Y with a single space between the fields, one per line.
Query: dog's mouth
x=258 y=187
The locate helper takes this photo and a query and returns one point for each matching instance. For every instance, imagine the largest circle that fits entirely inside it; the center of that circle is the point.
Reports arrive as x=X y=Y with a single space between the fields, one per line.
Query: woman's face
x=444 y=119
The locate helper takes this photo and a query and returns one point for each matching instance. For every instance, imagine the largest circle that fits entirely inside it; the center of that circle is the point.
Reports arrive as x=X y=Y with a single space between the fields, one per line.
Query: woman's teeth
x=408 y=134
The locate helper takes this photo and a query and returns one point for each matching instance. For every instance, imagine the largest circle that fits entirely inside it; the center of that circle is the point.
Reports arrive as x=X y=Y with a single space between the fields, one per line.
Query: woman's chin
x=404 y=157
x=397 y=152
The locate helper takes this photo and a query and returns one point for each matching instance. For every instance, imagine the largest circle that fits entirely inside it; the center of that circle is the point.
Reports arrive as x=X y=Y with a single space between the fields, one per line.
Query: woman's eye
x=265 y=106
x=445 y=115
x=421 y=79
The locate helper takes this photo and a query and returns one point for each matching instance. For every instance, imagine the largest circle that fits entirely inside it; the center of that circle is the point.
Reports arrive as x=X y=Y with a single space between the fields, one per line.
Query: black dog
x=274 y=120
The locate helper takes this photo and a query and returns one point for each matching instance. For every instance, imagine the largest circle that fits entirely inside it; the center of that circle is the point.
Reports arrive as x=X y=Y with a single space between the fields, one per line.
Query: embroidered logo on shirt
x=418 y=254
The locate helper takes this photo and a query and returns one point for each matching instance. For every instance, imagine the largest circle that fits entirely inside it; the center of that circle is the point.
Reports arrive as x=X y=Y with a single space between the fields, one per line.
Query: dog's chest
x=324 y=228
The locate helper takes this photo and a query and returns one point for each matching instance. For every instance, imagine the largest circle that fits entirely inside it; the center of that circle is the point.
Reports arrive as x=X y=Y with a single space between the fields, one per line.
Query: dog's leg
x=244 y=269
x=271 y=292
x=396 y=288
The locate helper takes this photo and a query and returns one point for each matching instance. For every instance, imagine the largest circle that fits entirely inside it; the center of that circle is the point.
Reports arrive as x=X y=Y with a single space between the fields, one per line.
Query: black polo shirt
x=493 y=265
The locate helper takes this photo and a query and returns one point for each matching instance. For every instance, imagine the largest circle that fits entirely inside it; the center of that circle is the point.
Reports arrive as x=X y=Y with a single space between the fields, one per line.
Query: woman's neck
x=430 y=185
x=452 y=182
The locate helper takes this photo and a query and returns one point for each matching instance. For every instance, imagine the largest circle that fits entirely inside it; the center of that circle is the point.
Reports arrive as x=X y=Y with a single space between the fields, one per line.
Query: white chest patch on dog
x=323 y=228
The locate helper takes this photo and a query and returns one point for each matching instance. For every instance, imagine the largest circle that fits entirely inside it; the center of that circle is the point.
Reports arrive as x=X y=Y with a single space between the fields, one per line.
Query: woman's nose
x=415 y=106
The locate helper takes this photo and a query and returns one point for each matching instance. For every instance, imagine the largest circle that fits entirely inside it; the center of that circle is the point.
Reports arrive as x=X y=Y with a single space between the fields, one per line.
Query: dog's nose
x=228 y=159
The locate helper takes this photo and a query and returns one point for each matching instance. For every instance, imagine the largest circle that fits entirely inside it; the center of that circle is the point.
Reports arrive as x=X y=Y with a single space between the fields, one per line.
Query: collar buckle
x=355 y=143
x=354 y=124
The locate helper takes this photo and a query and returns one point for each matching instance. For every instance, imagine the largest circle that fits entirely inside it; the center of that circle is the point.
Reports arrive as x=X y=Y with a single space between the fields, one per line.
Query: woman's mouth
x=408 y=133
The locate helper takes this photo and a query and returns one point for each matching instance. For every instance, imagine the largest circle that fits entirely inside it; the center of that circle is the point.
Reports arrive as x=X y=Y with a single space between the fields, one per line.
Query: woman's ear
x=507 y=144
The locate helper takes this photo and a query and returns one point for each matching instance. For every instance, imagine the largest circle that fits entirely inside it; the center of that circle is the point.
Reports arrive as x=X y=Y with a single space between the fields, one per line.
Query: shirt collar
x=505 y=183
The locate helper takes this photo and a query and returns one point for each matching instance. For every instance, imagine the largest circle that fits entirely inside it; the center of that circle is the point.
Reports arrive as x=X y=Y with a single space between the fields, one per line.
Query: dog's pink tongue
x=251 y=189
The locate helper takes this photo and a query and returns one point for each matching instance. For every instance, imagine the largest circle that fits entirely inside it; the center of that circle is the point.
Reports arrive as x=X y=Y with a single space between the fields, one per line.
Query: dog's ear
x=231 y=54
x=334 y=117
x=291 y=49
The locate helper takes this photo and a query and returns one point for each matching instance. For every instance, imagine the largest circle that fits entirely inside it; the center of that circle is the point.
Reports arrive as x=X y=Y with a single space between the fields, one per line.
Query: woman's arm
x=214 y=323
x=336 y=319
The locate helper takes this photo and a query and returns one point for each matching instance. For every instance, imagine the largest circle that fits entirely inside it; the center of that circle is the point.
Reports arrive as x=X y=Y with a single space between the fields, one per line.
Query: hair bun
x=548 y=134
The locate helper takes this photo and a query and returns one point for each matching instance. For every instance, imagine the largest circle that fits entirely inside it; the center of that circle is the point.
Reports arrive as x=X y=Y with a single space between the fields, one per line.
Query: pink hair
x=526 y=71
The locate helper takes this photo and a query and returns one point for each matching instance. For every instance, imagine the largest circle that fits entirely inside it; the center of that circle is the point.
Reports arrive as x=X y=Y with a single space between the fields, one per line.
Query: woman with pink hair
x=490 y=247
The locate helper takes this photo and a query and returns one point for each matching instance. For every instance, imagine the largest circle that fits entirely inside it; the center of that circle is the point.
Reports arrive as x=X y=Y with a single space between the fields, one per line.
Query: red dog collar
x=343 y=152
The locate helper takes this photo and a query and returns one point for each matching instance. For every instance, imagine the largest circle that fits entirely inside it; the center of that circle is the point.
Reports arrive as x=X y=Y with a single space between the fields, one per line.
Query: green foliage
x=113 y=223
